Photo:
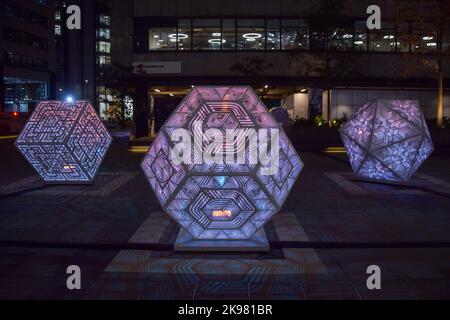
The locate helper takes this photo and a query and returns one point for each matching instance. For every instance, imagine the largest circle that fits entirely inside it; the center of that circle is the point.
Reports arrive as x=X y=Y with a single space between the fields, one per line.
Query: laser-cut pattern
x=64 y=142
x=387 y=140
x=220 y=201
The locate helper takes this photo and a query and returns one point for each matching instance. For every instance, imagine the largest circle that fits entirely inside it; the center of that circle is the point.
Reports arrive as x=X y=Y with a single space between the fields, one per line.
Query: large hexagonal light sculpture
x=64 y=142
x=387 y=140
x=221 y=206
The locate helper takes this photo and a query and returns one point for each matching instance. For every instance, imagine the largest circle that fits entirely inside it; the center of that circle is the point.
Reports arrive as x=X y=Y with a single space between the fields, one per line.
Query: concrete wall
x=297 y=105
x=260 y=7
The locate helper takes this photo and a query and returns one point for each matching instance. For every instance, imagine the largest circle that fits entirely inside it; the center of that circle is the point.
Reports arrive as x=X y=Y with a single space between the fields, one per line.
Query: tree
x=253 y=68
x=436 y=62
x=117 y=107
x=320 y=62
x=119 y=85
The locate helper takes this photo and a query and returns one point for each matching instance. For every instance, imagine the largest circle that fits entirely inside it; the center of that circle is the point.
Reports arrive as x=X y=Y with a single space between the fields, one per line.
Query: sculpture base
x=68 y=183
x=380 y=181
x=186 y=242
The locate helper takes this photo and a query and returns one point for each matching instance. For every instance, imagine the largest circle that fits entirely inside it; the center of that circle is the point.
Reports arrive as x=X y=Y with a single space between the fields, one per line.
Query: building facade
x=83 y=57
x=27 y=53
x=308 y=56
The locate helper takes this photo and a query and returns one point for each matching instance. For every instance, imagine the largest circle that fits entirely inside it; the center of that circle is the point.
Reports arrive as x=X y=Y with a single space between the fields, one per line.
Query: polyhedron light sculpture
x=387 y=140
x=220 y=201
x=64 y=142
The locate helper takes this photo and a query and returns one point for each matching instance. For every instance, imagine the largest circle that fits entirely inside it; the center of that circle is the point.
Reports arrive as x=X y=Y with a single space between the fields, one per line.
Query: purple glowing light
x=64 y=142
x=220 y=201
x=387 y=140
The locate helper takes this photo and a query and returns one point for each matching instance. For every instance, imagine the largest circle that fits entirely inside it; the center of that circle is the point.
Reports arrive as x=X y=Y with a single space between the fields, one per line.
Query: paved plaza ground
x=328 y=232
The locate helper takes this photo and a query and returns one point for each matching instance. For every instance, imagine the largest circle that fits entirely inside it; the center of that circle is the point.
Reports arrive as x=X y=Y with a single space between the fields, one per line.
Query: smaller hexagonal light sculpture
x=387 y=140
x=221 y=205
x=281 y=115
x=64 y=142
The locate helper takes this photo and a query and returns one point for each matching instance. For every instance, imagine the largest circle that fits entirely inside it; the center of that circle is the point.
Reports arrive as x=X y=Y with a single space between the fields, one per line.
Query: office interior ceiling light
x=216 y=41
x=181 y=36
x=252 y=36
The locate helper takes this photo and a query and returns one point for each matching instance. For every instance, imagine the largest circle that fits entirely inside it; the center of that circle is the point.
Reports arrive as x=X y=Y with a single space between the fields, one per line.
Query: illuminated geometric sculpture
x=220 y=202
x=281 y=115
x=387 y=140
x=64 y=142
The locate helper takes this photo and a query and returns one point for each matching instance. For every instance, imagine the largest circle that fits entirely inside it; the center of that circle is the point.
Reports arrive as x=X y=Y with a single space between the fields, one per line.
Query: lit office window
x=104 y=33
x=340 y=39
x=250 y=34
x=162 y=38
x=424 y=38
x=104 y=19
x=403 y=37
x=446 y=42
x=360 y=39
x=184 y=34
x=207 y=35
x=104 y=60
x=318 y=39
x=273 y=34
x=294 y=34
x=228 y=34
x=383 y=40
x=103 y=46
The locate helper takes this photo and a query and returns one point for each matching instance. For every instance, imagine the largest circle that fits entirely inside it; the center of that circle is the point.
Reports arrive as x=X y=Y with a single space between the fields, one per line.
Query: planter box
x=441 y=138
x=314 y=138
x=121 y=137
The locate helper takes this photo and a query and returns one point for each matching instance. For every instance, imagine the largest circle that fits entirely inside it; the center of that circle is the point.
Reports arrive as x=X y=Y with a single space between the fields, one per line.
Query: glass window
x=273 y=34
x=250 y=34
x=294 y=34
x=18 y=12
x=340 y=39
x=104 y=19
x=103 y=46
x=184 y=34
x=162 y=38
x=207 y=35
x=104 y=60
x=41 y=2
x=382 y=40
x=403 y=37
x=446 y=41
x=228 y=34
x=104 y=33
x=318 y=39
x=25 y=38
x=424 y=37
x=17 y=60
x=360 y=40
